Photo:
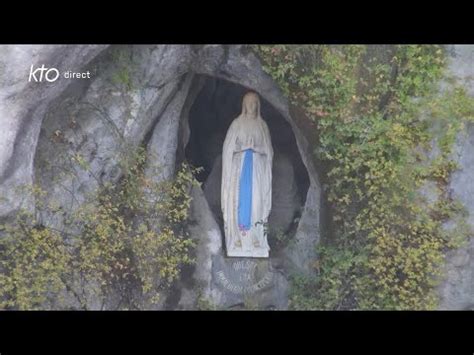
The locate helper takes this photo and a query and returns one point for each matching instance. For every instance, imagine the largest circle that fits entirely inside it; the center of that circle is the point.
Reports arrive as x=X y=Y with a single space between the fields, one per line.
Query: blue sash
x=245 y=192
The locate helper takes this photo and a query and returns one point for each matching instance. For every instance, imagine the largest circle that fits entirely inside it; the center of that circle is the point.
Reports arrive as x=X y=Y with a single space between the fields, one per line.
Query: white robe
x=247 y=133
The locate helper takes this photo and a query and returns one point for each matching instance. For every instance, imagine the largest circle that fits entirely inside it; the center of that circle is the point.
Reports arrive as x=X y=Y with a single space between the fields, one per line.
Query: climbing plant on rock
x=127 y=241
x=375 y=108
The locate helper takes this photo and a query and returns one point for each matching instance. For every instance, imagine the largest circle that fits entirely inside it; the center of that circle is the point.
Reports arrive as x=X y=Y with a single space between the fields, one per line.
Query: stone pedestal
x=247 y=283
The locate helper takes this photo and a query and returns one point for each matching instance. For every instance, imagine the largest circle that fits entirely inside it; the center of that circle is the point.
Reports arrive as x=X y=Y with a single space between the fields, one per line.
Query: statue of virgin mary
x=246 y=190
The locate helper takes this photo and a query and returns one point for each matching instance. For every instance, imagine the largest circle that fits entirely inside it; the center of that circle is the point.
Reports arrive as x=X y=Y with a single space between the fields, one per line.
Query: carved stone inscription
x=244 y=276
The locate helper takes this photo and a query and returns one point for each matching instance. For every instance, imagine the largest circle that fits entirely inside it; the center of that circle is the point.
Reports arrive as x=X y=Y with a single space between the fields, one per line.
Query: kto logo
x=51 y=74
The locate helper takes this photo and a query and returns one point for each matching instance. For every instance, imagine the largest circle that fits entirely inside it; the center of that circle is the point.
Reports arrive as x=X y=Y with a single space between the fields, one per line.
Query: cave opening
x=215 y=106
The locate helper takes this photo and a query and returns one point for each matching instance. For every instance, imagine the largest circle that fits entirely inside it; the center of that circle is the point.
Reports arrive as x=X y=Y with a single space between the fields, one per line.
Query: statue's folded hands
x=258 y=150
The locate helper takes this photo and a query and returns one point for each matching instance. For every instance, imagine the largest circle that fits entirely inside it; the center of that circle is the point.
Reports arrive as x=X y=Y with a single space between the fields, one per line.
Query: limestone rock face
x=212 y=190
x=457 y=290
x=106 y=118
x=145 y=95
x=286 y=200
x=23 y=105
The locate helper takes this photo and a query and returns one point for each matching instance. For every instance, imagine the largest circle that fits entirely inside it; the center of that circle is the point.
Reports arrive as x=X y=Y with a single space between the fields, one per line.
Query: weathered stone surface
x=248 y=283
x=457 y=289
x=163 y=144
x=286 y=201
x=461 y=182
x=212 y=189
x=207 y=235
x=301 y=252
x=456 y=292
x=105 y=120
x=460 y=65
x=22 y=108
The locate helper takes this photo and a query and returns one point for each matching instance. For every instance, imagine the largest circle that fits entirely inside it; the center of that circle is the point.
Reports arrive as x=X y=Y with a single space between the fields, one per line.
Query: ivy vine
x=374 y=109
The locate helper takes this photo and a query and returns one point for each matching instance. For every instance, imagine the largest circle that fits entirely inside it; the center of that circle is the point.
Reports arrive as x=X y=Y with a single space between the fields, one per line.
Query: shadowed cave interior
x=216 y=105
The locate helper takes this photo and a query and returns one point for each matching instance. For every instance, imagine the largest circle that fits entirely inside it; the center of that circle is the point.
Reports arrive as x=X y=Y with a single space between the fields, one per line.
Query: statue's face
x=251 y=104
